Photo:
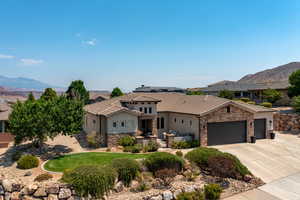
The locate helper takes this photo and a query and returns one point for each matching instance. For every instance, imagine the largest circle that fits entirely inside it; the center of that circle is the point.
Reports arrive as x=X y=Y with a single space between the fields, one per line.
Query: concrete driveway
x=276 y=162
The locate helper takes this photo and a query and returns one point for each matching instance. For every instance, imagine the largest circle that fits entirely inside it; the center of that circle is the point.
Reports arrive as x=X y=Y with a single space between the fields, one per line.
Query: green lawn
x=74 y=160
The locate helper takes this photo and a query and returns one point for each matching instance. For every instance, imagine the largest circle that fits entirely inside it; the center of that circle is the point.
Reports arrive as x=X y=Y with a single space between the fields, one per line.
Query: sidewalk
x=255 y=194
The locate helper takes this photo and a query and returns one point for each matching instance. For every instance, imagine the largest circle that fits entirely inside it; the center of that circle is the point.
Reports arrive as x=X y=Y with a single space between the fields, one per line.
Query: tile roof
x=170 y=102
x=158 y=89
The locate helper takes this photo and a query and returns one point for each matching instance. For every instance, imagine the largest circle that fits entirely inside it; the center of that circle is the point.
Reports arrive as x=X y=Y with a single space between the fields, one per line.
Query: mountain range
x=21 y=83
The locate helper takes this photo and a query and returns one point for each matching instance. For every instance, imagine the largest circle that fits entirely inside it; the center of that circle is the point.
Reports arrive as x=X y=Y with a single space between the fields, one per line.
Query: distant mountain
x=277 y=74
x=23 y=83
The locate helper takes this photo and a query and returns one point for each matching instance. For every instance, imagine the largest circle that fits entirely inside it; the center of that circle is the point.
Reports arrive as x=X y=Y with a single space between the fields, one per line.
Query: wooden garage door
x=226 y=132
x=260 y=128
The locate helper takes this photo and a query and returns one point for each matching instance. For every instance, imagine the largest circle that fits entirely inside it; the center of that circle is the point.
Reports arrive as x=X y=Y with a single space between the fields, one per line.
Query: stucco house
x=209 y=119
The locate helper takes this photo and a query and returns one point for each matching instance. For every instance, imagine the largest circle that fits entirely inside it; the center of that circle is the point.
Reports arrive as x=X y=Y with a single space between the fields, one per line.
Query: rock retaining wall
x=286 y=122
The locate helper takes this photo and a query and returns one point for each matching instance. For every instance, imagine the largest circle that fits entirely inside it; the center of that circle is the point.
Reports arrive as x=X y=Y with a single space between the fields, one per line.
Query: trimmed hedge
x=266 y=104
x=28 y=162
x=185 y=144
x=162 y=160
x=219 y=163
x=91 y=180
x=126 y=141
x=127 y=169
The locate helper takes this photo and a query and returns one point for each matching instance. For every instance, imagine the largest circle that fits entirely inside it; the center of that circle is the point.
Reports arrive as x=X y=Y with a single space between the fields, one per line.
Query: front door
x=146 y=126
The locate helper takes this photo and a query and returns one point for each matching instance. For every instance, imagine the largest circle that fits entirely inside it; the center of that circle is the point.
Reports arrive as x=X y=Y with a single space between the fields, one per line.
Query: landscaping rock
x=15 y=196
x=1 y=197
x=52 y=188
x=7 y=196
x=28 y=173
x=119 y=187
x=189 y=188
x=52 y=197
x=247 y=178
x=176 y=193
x=40 y=192
x=26 y=197
x=134 y=184
x=167 y=195
x=64 y=193
x=16 y=187
x=30 y=189
x=178 y=178
x=159 y=197
x=7 y=185
x=1 y=190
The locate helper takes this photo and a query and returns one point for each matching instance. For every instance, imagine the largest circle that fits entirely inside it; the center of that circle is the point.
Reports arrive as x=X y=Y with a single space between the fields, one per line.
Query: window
x=182 y=121
x=141 y=109
x=158 y=123
x=175 y=120
x=94 y=121
x=145 y=110
x=115 y=124
x=191 y=123
x=162 y=123
x=228 y=109
x=123 y=124
x=150 y=109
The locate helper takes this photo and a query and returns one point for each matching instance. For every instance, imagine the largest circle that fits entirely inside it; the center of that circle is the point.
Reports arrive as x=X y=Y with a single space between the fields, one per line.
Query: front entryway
x=260 y=128
x=226 y=132
x=146 y=126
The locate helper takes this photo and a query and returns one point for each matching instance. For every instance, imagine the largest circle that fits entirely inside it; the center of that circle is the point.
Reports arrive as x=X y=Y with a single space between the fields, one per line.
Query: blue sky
x=127 y=43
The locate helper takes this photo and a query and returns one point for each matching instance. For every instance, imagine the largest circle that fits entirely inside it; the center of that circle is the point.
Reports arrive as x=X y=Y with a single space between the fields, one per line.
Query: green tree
x=78 y=91
x=294 y=80
x=49 y=94
x=195 y=93
x=296 y=103
x=39 y=120
x=30 y=97
x=116 y=92
x=226 y=94
x=271 y=95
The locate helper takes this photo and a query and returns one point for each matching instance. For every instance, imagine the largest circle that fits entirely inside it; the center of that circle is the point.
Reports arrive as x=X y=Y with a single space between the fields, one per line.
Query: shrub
x=226 y=94
x=43 y=177
x=16 y=155
x=152 y=146
x=127 y=141
x=222 y=166
x=200 y=156
x=28 y=162
x=108 y=150
x=127 y=169
x=91 y=180
x=245 y=99
x=251 y=102
x=271 y=95
x=136 y=148
x=162 y=160
x=91 y=140
x=142 y=187
x=212 y=191
x=198 y=195
x=296 y=103
x=242 y=169
x=185 y=144
x=179 y=153
x=266 y=104
x=128 y=148
x=166 y=175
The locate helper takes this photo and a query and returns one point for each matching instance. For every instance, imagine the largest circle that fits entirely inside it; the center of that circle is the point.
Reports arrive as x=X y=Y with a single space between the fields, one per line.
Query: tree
x=294 y=80
x=77 y=91
x=226 y=94
x=30 y=97
x=296 y=103
x=271 y=95
x=39 y=120
x=116 y=92
x=195 y=93
x=49 y=94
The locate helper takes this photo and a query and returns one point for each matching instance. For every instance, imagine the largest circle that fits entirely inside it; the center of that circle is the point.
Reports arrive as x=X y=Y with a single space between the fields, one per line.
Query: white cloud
x=29 y=61
x=2 y=56
x=91 y=42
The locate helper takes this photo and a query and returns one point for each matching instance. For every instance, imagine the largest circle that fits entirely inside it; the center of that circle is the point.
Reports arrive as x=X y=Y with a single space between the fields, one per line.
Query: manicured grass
x=74 y=160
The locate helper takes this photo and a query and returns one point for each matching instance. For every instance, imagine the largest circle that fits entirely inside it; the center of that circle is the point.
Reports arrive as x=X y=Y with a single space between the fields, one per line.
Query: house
x=152 y=89
x=5 y=138
x=254 y=91
x=209 y=119
x=98 y=97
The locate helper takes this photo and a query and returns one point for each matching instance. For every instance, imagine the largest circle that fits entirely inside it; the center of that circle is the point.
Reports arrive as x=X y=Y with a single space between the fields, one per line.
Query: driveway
x=276 y=162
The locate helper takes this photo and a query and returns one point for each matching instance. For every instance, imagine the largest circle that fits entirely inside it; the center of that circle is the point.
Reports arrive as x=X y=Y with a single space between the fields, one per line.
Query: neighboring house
x=98 y=97
x=209 y=119
x=5 y=138
x=152 y=89
x=254 y=91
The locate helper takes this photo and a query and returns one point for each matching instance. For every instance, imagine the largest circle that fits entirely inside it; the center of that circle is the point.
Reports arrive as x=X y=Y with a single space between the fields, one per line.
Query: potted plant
x=272 y=134
x=253 y=139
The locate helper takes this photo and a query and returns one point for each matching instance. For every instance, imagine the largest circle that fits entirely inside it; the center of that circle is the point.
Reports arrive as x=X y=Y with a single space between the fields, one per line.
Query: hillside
x=23 y=83
x=276 y=74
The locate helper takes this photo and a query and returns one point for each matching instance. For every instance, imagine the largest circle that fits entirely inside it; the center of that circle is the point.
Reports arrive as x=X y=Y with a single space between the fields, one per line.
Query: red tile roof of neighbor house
x=170 y=102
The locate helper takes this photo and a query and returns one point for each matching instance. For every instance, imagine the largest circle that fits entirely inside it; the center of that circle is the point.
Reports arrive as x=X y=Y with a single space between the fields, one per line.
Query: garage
x=226 y=132
x=260 y=128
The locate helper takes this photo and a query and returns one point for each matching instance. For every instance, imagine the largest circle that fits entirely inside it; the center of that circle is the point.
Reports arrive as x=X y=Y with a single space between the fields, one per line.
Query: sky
x=127 y=43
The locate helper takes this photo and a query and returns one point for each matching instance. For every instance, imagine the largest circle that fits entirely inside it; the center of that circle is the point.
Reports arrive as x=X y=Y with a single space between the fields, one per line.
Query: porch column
x=154 y=126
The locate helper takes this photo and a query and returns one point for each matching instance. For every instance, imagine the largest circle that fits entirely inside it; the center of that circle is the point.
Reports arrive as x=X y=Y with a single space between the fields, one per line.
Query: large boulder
x=15 y=196
x=158 y=197
x=52 y=197
x=40 y=192
x=7 y=185
x=119 y=186
x=64 y=193
x=167 y=195
x=52 y=188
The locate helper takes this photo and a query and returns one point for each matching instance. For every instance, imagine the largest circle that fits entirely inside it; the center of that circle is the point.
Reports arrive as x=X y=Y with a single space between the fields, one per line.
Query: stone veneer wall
x=286 y=122
x=11 y=190
x=221 y=115
x=113 y=139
